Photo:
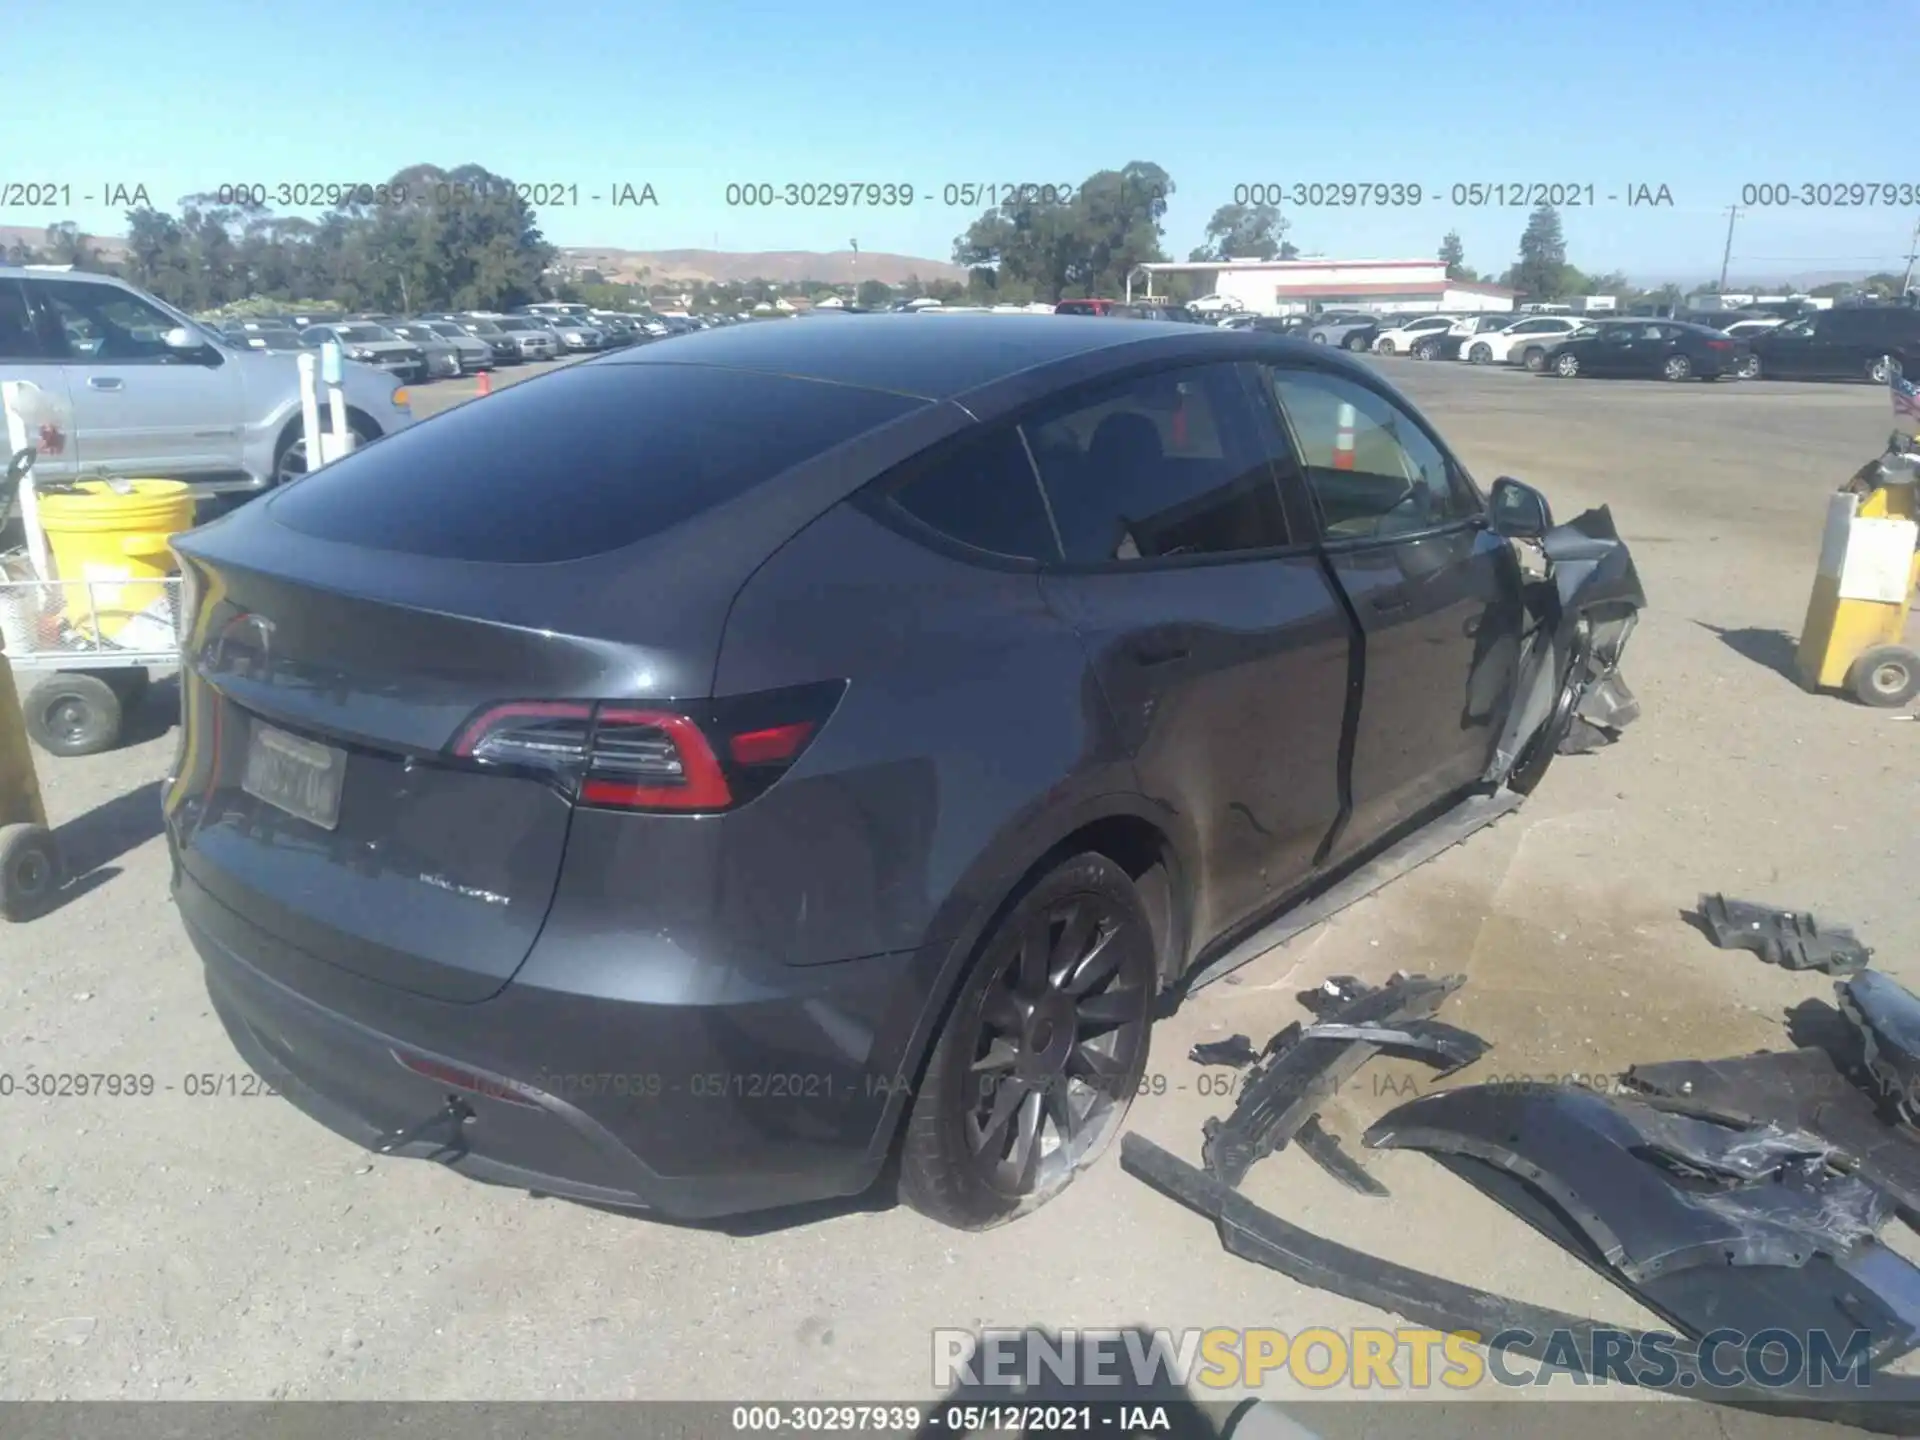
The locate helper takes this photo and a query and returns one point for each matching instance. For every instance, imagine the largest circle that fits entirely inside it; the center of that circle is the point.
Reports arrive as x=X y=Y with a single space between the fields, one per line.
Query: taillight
x=710 y=756
x=1719 y=344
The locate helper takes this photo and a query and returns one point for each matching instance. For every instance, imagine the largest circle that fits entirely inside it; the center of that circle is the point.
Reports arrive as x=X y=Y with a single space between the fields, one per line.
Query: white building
x=1291 y=287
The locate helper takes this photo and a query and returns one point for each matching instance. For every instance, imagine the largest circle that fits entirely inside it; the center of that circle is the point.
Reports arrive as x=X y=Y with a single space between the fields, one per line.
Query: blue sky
x=1702 y=97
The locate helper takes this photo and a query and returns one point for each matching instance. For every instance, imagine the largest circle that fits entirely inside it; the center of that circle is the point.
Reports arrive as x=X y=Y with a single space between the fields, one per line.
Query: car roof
x=967 y=354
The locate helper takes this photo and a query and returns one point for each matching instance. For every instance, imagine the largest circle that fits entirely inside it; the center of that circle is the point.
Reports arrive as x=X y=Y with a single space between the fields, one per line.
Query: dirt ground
x=229 y=1248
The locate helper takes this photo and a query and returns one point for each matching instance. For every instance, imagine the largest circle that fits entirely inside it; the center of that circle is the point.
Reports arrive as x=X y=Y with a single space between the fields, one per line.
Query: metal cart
x=96 y=643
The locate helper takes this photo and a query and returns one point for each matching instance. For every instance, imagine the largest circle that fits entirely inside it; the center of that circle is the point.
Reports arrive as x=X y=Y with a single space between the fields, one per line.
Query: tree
x=1541 y=270
x=1040 y=247
x=67 y=244
x=1246 y=232
x=874 y=294
x=1454 y=256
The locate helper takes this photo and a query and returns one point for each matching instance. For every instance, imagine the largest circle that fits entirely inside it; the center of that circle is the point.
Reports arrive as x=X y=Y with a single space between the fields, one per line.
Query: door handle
x=1159 y=654
x=1391 y=601
x=105 y=382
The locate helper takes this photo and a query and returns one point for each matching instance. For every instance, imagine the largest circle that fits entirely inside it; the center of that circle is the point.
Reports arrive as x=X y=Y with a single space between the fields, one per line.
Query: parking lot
x=225 y=1247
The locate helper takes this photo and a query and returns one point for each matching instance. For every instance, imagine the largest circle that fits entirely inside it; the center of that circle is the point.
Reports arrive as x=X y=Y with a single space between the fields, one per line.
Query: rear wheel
x=1356 y=343
x=1883 y=369
x=1480 y=353
x=1041 y=1054
x=1383 y=347
x=1885 y=676
x=29 y=871
x=290 y=460
x=1677 y=367
x=72 y=714
x=1566 y=366
x=1426 y=350
x=1749 y=368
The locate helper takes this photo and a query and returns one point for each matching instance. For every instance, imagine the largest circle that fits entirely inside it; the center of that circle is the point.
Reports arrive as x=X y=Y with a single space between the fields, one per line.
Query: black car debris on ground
x=690 y=778
x=1649 y=349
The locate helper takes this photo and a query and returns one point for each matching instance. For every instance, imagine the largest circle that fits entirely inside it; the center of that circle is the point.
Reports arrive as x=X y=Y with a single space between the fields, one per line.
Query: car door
x=141 y=406
x=1218 y=639
x=27 y=347
x=1436 y=594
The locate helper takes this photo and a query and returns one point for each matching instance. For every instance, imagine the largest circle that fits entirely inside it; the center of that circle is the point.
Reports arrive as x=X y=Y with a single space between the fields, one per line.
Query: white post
x=332 y=371
x=13 y=398
x=309 y=407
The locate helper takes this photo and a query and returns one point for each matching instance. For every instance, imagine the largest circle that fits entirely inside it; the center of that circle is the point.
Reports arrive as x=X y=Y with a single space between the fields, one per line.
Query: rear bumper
x=690 y=1110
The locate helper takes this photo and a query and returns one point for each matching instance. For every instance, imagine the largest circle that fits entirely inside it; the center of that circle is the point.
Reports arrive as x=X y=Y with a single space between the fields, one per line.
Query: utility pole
x=1913 y=253
x=1726 y=255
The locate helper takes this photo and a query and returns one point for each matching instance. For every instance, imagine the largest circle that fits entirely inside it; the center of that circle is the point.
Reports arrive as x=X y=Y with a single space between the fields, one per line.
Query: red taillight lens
x=1719 y=344
x=653 y=760
x=617 y=755
x=771 y=746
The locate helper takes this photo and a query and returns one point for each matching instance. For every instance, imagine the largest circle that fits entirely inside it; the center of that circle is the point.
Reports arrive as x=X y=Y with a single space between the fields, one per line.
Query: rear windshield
x=578 y=463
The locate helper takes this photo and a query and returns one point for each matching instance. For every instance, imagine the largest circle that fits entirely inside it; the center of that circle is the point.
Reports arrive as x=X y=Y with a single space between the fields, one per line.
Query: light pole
x=1726 y=255
x=1913 y=253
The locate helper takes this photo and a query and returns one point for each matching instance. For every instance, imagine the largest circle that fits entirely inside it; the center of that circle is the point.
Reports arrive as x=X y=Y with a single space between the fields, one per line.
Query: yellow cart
x=30 y=866
x=1854 y=638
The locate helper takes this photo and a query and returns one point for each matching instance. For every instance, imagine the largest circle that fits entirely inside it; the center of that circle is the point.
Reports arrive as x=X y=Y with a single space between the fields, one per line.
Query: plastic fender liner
x=1652 y=1192
x=1803 y=1090
x=1889 y=1405
x=1298 y=1072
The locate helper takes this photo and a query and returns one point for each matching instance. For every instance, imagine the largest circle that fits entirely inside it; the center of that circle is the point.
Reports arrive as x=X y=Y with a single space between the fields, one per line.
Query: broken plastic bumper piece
x=1887 y=1016
x=1791 y=939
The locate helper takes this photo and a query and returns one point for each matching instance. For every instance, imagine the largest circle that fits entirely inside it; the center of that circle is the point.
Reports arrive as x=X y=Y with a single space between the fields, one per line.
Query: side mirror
x=1518 y=511
x=181 y=338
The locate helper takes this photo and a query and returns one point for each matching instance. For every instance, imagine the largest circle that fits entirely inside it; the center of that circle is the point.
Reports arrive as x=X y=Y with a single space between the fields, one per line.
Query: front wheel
x=1357 y=344
x=1480 y=354
x=1749 y=368
x=29 y=871
x=1042 y=1053
x=1881 y=371
x=1383 y=347
x=1426 y=350
x=1535 y=359
x=1318 y=338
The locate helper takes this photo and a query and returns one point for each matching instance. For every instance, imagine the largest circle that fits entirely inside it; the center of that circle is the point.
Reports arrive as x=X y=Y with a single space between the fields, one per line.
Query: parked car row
x=446 y=344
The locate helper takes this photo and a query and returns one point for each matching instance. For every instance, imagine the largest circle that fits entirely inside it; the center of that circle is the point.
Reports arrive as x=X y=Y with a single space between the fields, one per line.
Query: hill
x=774 y=265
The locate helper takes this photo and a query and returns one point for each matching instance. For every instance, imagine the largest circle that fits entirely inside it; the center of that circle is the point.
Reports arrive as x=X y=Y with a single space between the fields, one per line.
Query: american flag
x=1906 y=397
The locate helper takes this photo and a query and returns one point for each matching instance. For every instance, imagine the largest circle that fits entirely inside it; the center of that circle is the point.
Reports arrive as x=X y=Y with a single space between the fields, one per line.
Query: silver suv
x=152 y=393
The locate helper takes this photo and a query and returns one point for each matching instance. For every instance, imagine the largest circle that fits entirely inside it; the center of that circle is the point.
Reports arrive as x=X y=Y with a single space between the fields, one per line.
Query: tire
x=1566 y=366
x=1356 y=343
x=70 y=714
x=1426 y=350
x=1677 y=367
x=1480 y=354
x=29 y=871
x=1885 y=677
x=974 y=1153
x=1749 y=368
x=1534 y=359
x=1383 y=347
x=1318 y=339
x=1882 y=369
x=290 y=458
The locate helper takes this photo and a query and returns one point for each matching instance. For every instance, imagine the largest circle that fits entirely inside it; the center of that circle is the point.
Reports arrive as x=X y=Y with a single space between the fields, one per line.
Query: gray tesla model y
x=686 y=780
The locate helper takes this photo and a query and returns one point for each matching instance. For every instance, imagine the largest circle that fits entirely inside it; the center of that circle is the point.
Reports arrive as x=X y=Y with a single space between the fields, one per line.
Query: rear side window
x=578 y=463
x=984 y=495
x=1163 y=464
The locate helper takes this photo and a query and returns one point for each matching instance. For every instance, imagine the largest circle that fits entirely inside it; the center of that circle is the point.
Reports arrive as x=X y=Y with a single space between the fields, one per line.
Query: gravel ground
x=227 y=1248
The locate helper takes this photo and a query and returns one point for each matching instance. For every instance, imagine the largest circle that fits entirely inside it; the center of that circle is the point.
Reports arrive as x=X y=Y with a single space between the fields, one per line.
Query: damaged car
x=853 y=789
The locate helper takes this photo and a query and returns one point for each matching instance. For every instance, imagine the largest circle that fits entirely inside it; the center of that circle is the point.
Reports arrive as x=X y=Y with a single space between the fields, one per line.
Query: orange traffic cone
x=486 y=383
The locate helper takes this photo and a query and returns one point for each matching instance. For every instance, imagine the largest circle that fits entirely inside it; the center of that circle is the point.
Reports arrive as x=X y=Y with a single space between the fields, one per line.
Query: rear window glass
x=578 y=463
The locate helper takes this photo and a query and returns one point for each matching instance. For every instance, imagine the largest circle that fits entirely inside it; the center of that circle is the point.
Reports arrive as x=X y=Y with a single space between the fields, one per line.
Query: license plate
x=298 y=776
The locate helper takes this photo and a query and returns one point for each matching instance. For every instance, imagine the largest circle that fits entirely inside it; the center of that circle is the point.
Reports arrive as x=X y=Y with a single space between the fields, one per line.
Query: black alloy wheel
x=1042 y=1054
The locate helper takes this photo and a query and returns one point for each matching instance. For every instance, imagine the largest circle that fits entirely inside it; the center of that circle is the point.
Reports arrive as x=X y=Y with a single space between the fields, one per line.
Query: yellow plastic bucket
x=117 y=544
